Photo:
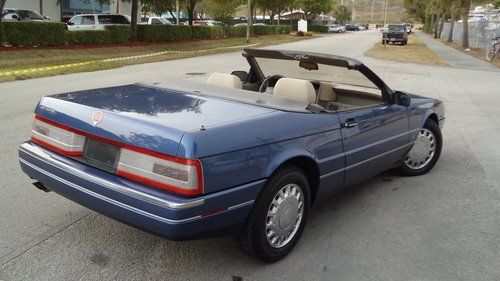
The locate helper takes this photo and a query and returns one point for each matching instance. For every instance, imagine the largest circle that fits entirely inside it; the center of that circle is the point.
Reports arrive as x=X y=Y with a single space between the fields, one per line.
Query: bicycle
x=493 y=49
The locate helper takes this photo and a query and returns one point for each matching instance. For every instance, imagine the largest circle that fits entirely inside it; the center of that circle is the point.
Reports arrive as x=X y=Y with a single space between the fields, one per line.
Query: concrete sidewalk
x=453 y=56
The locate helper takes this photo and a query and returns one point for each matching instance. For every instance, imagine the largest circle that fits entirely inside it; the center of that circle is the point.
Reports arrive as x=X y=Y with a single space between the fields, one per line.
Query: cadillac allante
x=248 y=152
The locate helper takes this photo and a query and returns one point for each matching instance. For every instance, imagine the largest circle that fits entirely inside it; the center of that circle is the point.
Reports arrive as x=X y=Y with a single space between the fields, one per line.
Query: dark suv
x=395 y=33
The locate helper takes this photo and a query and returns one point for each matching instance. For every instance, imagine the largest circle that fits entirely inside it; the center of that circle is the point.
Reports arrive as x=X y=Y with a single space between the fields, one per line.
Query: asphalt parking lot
x=441 y=226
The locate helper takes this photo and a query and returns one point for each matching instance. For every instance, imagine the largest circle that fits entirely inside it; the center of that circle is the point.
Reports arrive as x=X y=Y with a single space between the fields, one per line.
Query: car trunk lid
x=142 y=116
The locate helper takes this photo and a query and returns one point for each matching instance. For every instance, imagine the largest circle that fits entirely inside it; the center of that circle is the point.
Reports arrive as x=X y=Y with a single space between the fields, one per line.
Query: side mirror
x=402 y=98
x=47 y=18
x=243 y=75
x=70 y=23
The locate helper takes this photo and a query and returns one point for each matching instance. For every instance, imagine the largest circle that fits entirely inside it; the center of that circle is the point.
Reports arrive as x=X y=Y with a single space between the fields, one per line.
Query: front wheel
x=278 y=217
x=425 y=151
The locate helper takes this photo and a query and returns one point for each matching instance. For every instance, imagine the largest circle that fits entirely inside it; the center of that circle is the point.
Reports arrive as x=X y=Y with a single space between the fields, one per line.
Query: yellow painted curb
x=49 y=68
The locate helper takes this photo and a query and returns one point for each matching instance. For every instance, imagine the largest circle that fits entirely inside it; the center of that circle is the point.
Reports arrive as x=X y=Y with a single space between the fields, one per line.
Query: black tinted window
x=397 y=27
x=112 y=19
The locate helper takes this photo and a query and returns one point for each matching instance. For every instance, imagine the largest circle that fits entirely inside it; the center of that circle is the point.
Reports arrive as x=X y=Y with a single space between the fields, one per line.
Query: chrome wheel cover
x=422 y=151
x=284 y=215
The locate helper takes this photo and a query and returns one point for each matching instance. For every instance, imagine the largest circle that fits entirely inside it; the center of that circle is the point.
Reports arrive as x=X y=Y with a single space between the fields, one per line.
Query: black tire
x=253 y=240
x=432 y=126
x=404 y=42
x=384 y=41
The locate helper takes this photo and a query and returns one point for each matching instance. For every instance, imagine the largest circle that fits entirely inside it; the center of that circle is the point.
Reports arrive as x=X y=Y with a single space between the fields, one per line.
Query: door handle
x=350 y=123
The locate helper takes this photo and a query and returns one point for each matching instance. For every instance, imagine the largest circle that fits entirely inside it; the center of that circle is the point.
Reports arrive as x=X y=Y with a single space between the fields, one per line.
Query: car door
x=374 y=139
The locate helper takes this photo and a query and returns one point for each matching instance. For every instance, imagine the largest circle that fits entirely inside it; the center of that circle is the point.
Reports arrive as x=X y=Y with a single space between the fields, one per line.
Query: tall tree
x=133 y=15
x=2 y=5
x=315 y=7
x=452 y=20
x=222 y=10
x=342 y=14
x=465 y=7
x=190 y=6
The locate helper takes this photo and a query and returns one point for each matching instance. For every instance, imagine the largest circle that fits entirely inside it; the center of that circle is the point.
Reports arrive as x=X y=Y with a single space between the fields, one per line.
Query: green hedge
x=114 y=34
x=34 y=33
x=50 y=34
x=241 y=31
x=236 y=31
x=318 y=28
x=163 y=33
x=207 y=32
x=271 y=29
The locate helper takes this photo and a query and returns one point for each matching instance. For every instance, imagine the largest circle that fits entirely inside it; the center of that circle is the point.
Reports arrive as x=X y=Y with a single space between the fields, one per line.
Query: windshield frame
x=333 y=60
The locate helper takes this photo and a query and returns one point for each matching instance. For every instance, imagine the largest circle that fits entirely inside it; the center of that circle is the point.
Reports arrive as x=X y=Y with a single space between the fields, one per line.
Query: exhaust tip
x=40 y=186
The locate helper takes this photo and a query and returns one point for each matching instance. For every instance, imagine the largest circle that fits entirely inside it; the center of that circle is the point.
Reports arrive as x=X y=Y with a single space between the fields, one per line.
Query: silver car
x=11 y=14
x=337 y=28
x=95 y=21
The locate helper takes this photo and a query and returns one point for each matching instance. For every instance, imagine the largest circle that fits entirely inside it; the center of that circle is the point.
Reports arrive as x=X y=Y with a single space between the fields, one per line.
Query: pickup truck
x=395 y=33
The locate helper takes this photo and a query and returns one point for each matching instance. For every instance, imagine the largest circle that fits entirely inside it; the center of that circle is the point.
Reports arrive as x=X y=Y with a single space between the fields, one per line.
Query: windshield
x=28 y=14
x=330 y=73
x=396 y=27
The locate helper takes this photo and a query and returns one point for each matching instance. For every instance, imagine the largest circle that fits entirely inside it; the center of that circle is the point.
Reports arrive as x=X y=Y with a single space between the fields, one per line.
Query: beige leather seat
x=326 y=94
x=224 y=80
x=327 y=98
x=297 y=89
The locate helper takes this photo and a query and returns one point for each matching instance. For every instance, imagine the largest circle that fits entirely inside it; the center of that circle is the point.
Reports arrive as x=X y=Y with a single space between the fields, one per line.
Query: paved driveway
x=441 y=226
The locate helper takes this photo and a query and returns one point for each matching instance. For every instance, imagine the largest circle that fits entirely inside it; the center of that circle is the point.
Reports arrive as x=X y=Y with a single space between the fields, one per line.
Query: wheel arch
x=308 y=165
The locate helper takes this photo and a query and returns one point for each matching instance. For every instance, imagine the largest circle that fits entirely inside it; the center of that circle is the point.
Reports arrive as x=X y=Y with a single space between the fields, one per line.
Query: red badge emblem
x=97 y=117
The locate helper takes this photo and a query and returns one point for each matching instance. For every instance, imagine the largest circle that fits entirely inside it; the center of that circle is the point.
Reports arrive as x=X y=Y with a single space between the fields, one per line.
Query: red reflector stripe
x=157 y=184
x=213 y=212
x=57 y=149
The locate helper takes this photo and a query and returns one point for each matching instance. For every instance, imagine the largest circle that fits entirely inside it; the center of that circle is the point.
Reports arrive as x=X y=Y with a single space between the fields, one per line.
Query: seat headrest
x=326 y=92
x=297 y=89
x=224 y=80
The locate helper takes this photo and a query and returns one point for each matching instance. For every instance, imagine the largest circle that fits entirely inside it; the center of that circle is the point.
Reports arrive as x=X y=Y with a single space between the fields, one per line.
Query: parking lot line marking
x=54 y=67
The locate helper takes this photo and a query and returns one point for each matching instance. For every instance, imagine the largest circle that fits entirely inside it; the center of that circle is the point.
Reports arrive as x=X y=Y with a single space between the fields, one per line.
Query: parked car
x=395 y=33
x=351 y=27
x=245 y=24
x=155 y=20
x=360 y=26
x=208 y=23
x=95 y=21
x=409 y=27
x=337 y=28
x=11 y=14
x=248 y=155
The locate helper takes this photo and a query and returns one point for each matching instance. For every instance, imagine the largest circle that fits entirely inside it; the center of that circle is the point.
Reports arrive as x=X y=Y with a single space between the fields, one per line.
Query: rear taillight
x=179 y=175
x=56 y=138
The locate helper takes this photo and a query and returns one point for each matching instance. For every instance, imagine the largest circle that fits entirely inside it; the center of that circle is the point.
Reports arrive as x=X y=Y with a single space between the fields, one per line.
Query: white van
x=95 y=21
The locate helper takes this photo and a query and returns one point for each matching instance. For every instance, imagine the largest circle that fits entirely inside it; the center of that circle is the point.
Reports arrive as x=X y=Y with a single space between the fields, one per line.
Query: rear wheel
x=278 y=217
x=404 y=42
x=425 y=152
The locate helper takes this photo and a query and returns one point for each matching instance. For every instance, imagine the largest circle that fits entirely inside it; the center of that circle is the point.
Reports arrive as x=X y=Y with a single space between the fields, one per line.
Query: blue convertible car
x=251 y=152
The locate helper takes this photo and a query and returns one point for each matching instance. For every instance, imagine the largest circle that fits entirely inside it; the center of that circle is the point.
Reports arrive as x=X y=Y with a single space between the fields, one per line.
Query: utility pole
x=385 y=14
x=249 y=19
x=373 y=6
x=177 y=12
x=117 y=7
x=41 y=7
x=353 y=14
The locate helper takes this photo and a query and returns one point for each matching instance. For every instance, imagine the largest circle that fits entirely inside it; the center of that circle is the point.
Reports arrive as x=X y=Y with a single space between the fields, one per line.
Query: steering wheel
x=269 y=81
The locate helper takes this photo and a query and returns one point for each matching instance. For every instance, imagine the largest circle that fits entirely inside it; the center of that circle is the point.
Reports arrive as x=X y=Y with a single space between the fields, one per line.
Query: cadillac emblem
x=97 y=118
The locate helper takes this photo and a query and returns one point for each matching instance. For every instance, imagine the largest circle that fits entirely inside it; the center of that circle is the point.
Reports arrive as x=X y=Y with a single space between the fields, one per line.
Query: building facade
x=69 y=8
